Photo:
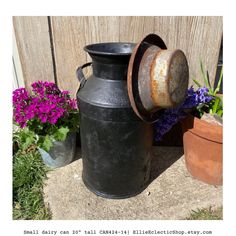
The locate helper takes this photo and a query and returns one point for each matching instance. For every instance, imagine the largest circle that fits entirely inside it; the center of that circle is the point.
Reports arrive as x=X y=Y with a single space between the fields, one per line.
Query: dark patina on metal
x=116 y=144
x=130 y=84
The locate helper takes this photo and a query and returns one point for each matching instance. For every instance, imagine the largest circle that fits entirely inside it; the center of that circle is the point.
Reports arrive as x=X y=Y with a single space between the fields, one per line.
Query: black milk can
x=115 y=141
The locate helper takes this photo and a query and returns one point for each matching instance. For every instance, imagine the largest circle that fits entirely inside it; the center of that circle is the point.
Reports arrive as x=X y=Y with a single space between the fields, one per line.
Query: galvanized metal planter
x=61 y=154
x=116 y=142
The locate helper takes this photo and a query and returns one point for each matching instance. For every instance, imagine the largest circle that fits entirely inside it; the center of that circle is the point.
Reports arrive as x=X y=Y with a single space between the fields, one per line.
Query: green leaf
x=204 y=75
x=216 y=105
x=26 y=138
x=206 y=79
x=216 y=91
x=47 y=143
x=60 y=134
x=219 y=82
x=220 y=113
x=28 y=141
x=197 y=83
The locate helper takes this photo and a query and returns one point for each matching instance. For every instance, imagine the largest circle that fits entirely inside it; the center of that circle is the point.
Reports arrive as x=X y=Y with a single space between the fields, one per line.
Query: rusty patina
x=157 y=78
x=169 y=78
x=133 y=77
x=130 y=81
x=144 y=76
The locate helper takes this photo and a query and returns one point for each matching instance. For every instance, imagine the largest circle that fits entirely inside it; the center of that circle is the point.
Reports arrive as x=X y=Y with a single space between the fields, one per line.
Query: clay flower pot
x=203 y=150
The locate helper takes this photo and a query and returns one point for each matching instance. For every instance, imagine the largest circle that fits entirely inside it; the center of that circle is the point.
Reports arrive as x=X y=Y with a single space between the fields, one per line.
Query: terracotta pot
x=203 y=150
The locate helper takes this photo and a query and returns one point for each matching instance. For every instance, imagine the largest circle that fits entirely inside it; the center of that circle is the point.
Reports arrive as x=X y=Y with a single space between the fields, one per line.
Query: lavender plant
x=45 y=115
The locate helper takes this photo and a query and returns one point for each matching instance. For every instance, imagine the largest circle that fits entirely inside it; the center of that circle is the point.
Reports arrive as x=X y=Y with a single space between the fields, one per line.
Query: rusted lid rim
x=132 y=78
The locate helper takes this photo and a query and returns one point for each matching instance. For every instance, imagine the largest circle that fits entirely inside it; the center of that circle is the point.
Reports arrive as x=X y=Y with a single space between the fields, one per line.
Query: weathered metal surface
x=169 y=78
x=144 y=78
x=62 y=153
x=108 y=123
x=134 y=89
x=116 y=144
x=157 y=78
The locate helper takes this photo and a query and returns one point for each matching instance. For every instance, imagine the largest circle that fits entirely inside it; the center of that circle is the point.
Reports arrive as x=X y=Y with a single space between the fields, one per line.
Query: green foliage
x=72 y=121
x=24 y=137
x=46 y=143
x=206 y=79
x=29 y=172
x=216 y=105
x=207 y=83
x=61 y=134
x=206 y=214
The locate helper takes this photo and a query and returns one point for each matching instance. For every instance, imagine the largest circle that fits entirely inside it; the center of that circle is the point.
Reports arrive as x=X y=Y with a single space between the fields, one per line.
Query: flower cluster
x=194 y=98
x=171 y=116
x=47 y=104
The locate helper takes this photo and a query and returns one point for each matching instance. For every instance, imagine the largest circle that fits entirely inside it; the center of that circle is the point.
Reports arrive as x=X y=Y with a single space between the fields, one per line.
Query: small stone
x=76 y=176
x=148 y=193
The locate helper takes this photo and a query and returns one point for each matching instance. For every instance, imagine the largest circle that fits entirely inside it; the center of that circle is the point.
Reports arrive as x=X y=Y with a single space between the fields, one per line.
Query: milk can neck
x=110 y=60
x=111 y=68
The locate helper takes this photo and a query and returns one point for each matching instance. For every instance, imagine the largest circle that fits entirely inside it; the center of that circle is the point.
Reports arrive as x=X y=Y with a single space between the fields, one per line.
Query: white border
x=121 y=7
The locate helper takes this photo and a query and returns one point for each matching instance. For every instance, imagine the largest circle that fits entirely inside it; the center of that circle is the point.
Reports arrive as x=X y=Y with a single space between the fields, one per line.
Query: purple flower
x=53 y=120
x=171 y=116
x=43 y=118
x=73 y=104
x=47 y=104
x=202 y=95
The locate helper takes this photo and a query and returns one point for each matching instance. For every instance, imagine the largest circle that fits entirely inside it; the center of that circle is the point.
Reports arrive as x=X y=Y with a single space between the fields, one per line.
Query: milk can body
x=115 y=142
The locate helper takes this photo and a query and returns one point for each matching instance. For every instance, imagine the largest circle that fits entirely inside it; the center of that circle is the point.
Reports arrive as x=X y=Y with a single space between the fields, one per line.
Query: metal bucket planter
x=61 y=154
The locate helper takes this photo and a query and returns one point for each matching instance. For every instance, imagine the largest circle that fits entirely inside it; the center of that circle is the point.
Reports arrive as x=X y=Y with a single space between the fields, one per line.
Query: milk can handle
x=80 y=74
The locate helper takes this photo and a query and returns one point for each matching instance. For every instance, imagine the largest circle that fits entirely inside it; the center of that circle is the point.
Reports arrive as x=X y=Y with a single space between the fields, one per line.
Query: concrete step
x=171 y=195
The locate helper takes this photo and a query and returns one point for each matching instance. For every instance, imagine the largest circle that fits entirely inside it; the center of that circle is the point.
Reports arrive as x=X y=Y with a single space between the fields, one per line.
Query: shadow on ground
x=171 y=194
x=162 y=159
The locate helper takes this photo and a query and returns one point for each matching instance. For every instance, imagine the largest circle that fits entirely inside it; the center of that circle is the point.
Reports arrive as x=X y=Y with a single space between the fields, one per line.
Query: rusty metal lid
x=157 y=78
